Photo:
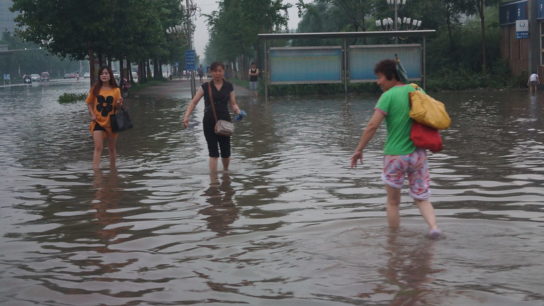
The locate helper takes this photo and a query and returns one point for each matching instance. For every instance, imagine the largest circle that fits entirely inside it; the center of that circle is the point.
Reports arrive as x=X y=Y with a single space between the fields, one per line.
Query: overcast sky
x=207 y=6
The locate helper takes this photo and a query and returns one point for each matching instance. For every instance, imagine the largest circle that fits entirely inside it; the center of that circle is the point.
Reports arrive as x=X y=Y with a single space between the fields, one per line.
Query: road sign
x=522 y=29
x=190 y=58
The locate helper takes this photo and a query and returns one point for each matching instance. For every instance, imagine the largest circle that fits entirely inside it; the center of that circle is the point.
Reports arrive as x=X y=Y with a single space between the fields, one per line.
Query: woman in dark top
x=253 y=78
x=223 y=95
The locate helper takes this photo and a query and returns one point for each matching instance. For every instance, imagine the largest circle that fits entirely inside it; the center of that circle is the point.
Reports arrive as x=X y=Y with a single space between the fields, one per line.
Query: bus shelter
x=340 y=64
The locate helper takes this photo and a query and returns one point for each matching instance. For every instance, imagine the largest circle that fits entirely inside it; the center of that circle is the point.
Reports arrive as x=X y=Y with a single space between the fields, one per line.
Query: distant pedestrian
x=253 y=78
x=402 y=158
x=533 y=82
x=103 y=99
x=228 y=72
x=200 y=72
x=223 y=96
x=125 y=86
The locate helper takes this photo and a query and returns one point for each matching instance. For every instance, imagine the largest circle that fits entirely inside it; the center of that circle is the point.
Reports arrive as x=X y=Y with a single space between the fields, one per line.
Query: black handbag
x=120 y=121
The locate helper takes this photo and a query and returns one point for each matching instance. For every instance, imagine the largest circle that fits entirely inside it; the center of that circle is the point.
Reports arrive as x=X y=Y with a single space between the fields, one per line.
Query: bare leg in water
x=393 y=216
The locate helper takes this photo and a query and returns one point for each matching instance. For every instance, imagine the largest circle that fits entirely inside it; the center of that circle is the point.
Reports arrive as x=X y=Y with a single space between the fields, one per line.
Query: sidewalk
x=180 y=89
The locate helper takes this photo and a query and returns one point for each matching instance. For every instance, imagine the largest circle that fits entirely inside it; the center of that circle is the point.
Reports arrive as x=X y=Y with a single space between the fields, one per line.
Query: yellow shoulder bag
x=428 y=111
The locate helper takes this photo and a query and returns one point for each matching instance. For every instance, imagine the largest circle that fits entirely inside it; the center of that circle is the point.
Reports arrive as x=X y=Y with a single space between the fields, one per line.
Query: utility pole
x=395 y=21
x=534 y=37
x=189 y=28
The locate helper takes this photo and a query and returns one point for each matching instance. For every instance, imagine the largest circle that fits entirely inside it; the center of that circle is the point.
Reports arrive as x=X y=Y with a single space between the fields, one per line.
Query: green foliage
x=122 y=29
x=33 y=60
x=71 y=97
x=235 y=25
x=321 y=89
x=139 y=86
x=449 y=66
x=459 y=32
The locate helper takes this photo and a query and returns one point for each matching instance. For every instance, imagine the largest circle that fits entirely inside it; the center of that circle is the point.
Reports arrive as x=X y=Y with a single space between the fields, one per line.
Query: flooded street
x=291 y=224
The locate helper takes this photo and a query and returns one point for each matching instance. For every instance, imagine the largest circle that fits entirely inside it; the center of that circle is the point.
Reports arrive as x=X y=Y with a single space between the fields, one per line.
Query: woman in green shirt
x=401 y=158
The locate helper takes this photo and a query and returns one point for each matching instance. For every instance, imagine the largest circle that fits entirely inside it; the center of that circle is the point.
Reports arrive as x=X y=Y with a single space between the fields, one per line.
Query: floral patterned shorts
x=413 y=165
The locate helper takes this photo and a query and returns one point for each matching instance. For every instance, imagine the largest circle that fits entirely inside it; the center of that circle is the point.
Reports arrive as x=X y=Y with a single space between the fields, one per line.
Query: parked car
x=35 y=77
x=70 y=75
x=44 y=77
x=86 y=75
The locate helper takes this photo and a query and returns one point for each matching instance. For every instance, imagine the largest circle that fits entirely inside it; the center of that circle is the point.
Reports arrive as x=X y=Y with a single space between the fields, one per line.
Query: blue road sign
x=190 y=58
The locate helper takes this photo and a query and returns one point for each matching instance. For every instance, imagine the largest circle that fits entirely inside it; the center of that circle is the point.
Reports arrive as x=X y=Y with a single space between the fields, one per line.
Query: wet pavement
x=291 y=224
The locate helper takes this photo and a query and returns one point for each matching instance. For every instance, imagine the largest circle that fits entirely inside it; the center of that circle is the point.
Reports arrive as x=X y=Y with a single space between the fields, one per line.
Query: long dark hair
x=98 y=85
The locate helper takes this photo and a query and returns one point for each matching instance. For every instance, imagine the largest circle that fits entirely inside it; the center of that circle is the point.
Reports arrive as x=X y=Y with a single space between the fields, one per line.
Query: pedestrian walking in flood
x=200 y=72
x=253 y=78
x=103 y=99
x=533 y=82
x=222 y=96
x=401 y=158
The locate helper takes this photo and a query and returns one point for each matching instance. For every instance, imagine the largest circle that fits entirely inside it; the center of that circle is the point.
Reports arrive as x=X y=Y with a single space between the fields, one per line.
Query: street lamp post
x=397 y=23
x=175 y=30
x=187 y=29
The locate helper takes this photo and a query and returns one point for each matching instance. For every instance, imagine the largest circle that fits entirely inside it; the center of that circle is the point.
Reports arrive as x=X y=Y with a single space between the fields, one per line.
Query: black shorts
x=214 y=141
x=98 y=127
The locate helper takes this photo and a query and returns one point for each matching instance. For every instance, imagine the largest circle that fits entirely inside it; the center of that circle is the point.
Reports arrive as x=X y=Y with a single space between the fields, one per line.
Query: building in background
x=7 y=17
x=522 y=36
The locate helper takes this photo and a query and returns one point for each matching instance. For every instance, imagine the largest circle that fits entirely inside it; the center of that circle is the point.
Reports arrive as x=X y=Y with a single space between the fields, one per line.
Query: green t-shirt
x=395 y=103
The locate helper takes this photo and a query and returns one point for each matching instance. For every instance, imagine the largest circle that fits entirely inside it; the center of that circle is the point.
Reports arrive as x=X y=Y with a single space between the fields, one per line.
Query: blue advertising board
x=512 y=11
x=540 y=8
x=362 y=60
x=306 y=65
x=190 y=59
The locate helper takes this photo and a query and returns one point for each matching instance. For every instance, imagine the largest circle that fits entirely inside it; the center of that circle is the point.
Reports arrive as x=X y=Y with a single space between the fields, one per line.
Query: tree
x=478 y=7
x=104 y=30
x=31 y=59
x=235 y=25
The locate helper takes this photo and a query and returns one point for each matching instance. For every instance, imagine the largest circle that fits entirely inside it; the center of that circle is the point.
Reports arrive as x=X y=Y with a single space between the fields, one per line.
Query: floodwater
x=291 y=224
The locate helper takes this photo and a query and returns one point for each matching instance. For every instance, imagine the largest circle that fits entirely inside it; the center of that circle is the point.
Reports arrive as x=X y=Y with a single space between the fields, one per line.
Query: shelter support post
x=345 y=67
x=423 y=68
x=266 y=72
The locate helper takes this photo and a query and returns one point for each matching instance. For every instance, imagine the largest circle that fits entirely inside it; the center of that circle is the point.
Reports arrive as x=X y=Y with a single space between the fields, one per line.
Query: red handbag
x=425 y=137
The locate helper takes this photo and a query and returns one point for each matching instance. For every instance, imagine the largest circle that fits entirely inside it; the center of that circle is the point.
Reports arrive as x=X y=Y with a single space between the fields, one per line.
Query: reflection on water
x=221 y=211
x=106 y=203
x=409 y=267
x=291 y=224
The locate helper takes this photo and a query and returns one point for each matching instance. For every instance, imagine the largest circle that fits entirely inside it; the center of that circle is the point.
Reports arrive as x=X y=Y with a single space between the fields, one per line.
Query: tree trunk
x=144 y=71
x=100 y=59
x=156 y=68
x=121 y=70
x=141 y=72
x=482 y=27
x=129 y=71
x=92 y=68
x=160 y=69
x=148 y=70
x=450 y=33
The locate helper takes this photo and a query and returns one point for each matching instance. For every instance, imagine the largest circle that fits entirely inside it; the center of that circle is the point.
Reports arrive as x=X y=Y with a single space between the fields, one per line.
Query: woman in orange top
x=102 y=101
